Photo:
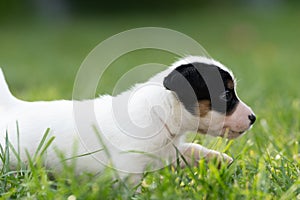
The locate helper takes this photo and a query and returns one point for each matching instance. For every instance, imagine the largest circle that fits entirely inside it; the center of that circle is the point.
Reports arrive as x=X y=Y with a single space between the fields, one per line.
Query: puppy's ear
x=185 y=82
x=174 y=81
x=186 y=79
x=179 y=80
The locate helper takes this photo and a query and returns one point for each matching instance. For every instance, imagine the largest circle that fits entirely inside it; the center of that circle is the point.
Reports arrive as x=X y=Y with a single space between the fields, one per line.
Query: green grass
x=261 y=47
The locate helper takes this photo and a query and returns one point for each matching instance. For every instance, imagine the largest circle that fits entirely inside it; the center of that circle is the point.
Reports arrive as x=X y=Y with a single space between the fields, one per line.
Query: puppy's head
x=207 y=90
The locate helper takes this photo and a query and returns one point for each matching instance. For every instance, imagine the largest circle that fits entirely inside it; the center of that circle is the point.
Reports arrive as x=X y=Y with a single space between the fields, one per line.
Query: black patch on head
x=199 y=81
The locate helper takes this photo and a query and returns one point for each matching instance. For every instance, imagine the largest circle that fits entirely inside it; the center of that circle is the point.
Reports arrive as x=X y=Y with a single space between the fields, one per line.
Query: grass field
x=262 y=48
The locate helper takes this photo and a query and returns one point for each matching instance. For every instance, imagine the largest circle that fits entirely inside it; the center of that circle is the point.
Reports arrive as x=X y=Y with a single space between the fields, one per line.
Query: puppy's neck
x=163 y=110
x=179 y=119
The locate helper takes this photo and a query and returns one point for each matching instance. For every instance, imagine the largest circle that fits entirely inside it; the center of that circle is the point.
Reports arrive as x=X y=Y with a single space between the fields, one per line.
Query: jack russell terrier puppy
x=140 y=129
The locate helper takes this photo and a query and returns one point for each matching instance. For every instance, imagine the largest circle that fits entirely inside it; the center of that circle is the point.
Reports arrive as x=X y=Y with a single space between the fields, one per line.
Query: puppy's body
x=141 y=127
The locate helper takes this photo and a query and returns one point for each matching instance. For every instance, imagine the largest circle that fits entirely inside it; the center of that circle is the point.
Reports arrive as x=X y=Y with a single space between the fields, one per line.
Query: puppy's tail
x=6 y=98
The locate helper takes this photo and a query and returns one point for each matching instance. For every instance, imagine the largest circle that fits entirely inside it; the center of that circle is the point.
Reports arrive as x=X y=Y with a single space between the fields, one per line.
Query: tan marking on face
x=204 y=107
x=230 y=84
x=211 y=123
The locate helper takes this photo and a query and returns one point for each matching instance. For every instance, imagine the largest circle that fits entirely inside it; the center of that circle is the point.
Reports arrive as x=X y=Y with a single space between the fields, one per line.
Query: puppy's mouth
x=226 y=132
x=230 y=134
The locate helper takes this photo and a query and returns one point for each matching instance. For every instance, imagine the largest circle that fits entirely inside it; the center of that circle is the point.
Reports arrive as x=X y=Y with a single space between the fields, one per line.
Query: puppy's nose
x=252 y=118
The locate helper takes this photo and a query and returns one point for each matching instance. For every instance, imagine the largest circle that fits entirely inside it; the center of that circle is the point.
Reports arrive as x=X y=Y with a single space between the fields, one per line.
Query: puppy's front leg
x=193 y=153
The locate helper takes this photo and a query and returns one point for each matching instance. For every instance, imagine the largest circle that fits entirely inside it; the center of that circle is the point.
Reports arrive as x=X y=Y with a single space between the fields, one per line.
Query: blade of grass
x=41 y=143
x=7 y=156
x=18 y=143
x=82 y=155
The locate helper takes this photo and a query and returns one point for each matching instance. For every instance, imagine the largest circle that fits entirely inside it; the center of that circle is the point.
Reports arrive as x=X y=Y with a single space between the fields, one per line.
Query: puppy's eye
x=226 y=96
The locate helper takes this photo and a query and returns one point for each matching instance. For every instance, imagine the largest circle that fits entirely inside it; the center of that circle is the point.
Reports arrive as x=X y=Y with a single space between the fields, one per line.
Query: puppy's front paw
x=226 y=159
x=193 y=153
x=221 y=158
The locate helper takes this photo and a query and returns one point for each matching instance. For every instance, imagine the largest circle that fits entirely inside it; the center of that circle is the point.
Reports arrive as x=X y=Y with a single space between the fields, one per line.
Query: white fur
x=138 y=128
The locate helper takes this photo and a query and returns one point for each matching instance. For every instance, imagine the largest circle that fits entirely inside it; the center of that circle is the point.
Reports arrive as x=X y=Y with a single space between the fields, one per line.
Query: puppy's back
x=6 y=98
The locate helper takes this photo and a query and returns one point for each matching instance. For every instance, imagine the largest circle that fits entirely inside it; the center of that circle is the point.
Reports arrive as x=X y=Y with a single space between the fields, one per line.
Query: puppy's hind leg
x=193 y=153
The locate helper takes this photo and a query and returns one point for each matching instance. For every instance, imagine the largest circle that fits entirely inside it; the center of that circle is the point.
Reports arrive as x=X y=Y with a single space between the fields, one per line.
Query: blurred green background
x=43 y=42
